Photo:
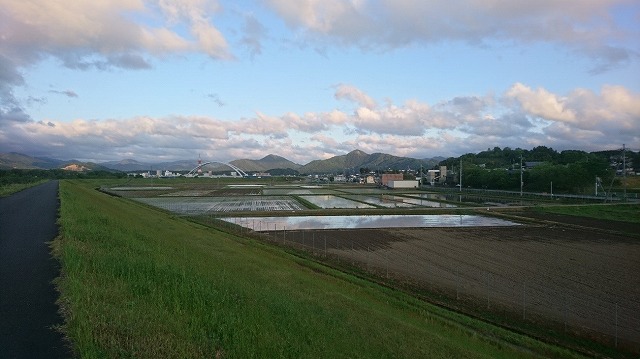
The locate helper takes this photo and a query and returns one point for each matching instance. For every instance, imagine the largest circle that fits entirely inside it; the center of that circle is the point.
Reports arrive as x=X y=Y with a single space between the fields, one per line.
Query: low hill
x=267 y=163
x=127 y=165
x=18 y=160
x=21 y=161
x=353 y=161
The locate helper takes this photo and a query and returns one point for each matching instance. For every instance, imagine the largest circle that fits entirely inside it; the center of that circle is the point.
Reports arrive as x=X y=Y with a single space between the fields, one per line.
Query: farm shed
x=403 y=184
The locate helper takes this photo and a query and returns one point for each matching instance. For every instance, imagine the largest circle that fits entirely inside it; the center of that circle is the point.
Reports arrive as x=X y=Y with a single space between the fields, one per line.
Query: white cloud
x=541 y=102
x=85 y=27
x=578 y=25
x=353 y=94
x=615 y=111
x=522 y=117
x=85 y=34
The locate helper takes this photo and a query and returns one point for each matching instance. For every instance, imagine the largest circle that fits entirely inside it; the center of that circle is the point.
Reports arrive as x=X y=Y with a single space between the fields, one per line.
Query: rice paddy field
x=519 y=264
x=142 y=282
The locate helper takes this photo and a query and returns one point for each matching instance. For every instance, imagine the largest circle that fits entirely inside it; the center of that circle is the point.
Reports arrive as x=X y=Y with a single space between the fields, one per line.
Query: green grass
x=617 y=212
x=138 y=282
x=11 y=188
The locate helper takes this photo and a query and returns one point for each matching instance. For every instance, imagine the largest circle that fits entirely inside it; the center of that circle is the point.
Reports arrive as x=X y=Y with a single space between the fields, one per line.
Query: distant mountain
x=434 y=161
x=262 y=165
x=19 y=160
x=354 y=160
x=265 y=164
x=126 y=165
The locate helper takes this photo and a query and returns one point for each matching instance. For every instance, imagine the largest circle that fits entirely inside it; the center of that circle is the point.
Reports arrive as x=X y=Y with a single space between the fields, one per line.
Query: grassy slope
x=11 y=188
x=140 y=283
x=617 y=212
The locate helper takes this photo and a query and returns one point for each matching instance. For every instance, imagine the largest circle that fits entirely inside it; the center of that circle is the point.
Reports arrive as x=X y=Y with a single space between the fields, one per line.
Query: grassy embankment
x=615 y=212
x=138 y=282
x=11 y=188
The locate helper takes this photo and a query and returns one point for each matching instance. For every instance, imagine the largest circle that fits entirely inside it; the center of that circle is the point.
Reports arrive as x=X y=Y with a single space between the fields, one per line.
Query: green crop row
x=628 y=212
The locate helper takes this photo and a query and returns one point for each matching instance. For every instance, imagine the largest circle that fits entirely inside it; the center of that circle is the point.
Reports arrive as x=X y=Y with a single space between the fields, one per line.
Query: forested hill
x=570 y=171
x=510 y=158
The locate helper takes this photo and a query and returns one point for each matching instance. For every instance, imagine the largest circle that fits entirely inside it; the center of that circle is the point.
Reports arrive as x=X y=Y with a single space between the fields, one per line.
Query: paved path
x=27 y=296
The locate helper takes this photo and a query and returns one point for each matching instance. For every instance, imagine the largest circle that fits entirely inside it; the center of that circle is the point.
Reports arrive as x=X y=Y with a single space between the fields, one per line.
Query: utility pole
x=460 y=173
x=624 y=173
x=521 y=183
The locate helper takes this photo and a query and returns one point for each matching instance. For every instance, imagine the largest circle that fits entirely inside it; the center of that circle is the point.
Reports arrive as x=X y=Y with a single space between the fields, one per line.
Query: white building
x=403 y=184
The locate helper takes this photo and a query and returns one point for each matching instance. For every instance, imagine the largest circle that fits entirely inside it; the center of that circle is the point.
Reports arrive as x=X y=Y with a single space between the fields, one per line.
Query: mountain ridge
x=351 y=162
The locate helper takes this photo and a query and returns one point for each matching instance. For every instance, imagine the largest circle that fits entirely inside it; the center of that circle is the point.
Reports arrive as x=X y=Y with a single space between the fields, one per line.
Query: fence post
x=488 y=291
x=325 y=246
x=406 y=264
x=353 y=261
x=456 y=275
x=524 y=301
x=387 y=265
x=367 y=258
x=616 y=336
x=564 y=312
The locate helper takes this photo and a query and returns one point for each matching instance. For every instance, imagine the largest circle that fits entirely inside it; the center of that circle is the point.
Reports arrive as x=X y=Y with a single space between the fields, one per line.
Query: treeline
x=34 y=175
x=567 y=171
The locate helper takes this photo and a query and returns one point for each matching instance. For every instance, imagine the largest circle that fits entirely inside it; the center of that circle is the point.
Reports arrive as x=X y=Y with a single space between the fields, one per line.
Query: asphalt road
x=27 y=295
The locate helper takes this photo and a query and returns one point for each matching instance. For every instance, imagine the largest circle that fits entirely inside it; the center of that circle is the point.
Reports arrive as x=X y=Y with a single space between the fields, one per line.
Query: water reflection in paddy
x=329 y=201
x=370 y=221
x=474 y=199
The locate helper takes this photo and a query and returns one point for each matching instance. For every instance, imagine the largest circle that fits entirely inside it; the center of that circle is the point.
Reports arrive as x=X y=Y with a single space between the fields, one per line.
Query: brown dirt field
x=578 y=277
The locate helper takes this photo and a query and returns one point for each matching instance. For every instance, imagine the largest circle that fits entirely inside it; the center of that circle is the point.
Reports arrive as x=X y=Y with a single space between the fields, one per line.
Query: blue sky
x=172 y=79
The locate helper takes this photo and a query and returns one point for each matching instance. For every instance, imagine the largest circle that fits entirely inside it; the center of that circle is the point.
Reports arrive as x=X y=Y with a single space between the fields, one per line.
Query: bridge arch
x=235 y=168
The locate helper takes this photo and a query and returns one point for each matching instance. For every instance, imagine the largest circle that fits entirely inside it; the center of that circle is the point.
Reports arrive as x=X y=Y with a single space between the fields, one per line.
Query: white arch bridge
x=235 y=168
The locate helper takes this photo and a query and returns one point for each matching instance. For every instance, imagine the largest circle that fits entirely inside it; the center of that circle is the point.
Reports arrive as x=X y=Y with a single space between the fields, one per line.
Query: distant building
x=403 y=184
x=443 y=174
x=439 y=176
x=387 y=177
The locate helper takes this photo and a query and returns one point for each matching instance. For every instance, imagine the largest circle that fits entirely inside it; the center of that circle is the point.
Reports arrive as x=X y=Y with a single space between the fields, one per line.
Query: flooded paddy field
x=206 y=198
x=331 y=201
x=420 y=201
x=380 y=201
x=204 y=205
x=302 y=190
x=367 y=221
x=473 y=199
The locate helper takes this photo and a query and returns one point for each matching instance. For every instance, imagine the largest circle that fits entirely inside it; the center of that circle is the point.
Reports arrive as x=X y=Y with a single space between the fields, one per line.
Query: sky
x=163 y=80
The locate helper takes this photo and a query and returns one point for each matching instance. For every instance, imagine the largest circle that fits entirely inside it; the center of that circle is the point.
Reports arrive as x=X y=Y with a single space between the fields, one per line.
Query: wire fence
x=565 y=303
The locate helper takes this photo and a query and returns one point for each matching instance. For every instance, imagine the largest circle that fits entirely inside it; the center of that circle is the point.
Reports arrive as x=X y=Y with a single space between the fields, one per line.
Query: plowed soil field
x=577 y=275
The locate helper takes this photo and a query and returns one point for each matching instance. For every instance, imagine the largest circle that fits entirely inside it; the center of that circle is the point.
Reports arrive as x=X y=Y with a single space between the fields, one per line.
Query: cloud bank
x=520 y=117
